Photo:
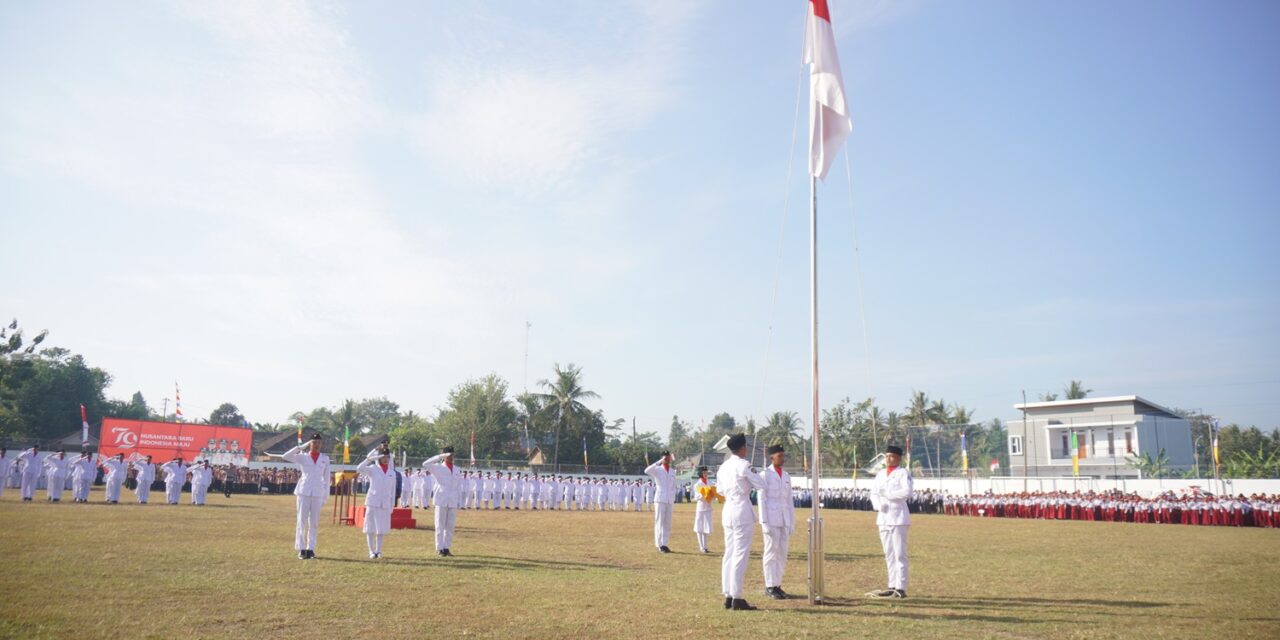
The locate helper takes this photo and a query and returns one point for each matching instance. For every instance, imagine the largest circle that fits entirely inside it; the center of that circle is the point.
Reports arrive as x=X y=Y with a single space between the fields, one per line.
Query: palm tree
x=343 y=420
x=563 y=400
x=782 y=428
x=1076 y=390
x=1149 y=466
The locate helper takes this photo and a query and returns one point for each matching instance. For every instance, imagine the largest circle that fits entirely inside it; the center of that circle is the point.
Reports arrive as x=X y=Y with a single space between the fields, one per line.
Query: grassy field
x=228 y=570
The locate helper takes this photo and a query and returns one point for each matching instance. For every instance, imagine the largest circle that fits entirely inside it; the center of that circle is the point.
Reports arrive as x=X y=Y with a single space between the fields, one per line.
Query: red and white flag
x=84 y=426
x=473 y=448
x=829 y=123
x=995 y=466
x=177 y=402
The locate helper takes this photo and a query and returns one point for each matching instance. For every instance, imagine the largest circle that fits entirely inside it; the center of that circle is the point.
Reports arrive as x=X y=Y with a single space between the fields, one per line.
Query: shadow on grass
x=898 y=614
x=483 y=562
x=992 y=601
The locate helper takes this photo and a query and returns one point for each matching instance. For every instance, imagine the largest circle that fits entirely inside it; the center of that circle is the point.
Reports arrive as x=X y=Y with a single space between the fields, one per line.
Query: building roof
x=1136 y=400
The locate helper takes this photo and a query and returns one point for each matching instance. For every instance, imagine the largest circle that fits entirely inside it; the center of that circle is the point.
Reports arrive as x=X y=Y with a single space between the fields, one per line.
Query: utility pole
x=527 y=326
x=1026 y=435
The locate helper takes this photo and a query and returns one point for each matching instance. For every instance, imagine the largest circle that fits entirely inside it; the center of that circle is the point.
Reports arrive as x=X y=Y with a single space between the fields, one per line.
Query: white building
x=1109 y=432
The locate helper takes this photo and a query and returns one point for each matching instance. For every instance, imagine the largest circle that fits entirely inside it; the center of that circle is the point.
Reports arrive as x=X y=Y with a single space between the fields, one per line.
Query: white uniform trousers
x=198 y=492
x=446 y=517
x=142 y=490
x=54 y=486
x=737 y=552
x=80 y=489
x=775 y=555
x=894 y=541
x=172 y=492
x=662 y=524
x=29 y=482
x=304 y=536
x=113 y=490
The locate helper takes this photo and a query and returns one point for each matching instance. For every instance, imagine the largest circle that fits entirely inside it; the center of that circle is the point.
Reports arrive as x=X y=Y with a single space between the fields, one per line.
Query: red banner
x=164 y=441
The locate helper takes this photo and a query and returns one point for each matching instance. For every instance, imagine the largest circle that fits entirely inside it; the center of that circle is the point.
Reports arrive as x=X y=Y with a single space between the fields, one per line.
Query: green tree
x=227 y=415
x=1075 y=390
x=782 y=428
x=564 y=400
x=480 y=407
x=415 y=435
x=723 y=422
x=1151 y=466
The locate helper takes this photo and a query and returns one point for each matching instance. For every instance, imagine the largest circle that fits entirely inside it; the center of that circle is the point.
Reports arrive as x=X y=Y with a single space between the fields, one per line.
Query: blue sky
x=286 y=204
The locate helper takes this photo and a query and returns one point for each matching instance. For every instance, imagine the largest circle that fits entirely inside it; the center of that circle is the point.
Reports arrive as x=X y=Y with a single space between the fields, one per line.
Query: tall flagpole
x=815 y=520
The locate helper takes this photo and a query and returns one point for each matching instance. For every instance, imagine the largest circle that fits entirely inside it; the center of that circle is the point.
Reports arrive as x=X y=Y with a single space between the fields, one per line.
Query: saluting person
x=734 y=481
x=777 y=520
x=55 y=472
x=114 y=470
x=82 y=473
x=175 y=475
x=889 y=494
x=311 y=491
x=664 y=477
x=447 y=496
x=146 y=475
x=31 y=468
x=201 y=476
x=380 y=498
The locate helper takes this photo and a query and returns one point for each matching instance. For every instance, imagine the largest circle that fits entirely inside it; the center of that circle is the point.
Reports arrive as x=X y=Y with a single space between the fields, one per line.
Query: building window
x=1015 y=445
x=1128 y=443
x=1066 y=445
x=1111 y=443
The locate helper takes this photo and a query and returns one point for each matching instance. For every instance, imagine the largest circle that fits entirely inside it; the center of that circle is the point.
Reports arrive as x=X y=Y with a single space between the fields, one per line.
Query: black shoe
x=900 y=594
x=775 y=593
x=302 y=555
x=784 y=594
x=448 y=553
x=311 y=555
x=664 y=549
x=440 y=553
x=728 y=602
x=741 y=605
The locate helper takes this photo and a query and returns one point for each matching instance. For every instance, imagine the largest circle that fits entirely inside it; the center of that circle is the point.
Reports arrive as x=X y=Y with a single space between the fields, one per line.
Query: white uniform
x=55 y=473
x=146 y=475
x=310 y=493
x=175 y=476
x=664 y=478
x=702 y=514
x=889 y=495
x=777 y=512
x=379 y=500
x=114 y=472
x=734 y=481
x=201 y=477
x=82 y=472
x=31 y=469
x=447 y=496
x=6 y=465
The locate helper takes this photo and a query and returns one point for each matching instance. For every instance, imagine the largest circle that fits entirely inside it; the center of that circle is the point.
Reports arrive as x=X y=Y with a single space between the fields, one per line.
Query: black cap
x=777 y=448
x=316 y=436
x=447 y=450
x=702 y=470
x=893 y=448
x=737 y=441
x=664 y=454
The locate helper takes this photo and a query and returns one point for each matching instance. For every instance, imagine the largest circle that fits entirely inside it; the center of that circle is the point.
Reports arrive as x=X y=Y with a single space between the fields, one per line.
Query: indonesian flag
x=995 y=464
x=84 y=426
x=473 y=448
x=828 y=113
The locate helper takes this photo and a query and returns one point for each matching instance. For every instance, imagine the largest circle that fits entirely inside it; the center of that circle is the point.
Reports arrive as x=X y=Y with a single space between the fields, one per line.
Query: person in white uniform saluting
x=31 y=468
x=201 y=477
x=82 y=472
x=175 y=475
x=889 y=494
x=734 y=481
x=114 y=470
x=381 y=497
x=55 y=471
x=777 y=520
x=311 y=492
x=705 y=492
x=447 y=496
x=146 y=475
x=664 y=478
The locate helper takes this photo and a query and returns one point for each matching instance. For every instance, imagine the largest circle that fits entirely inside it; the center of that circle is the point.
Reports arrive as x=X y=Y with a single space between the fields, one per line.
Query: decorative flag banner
x=346 y=444
x=855 y=462
x=177 y=402
x=964 y=454
x=829 y=123
x=908 y=452
x=994 y=466
x=1075 y=455
x=473 y=448
x=84 y=426
x=585 y=464
x=1215 y=446
x=300 y=418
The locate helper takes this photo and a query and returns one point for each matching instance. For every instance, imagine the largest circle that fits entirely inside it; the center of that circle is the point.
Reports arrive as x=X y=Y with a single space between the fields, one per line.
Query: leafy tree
x=227 y=415
x=135 y=409
x=723 y=422
x=1075 y=390
x=415 y=435
x=563 y=401
x=480 y=407
x=782 y=428
x=1151 y=466
x=1048 y=397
